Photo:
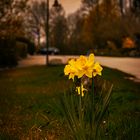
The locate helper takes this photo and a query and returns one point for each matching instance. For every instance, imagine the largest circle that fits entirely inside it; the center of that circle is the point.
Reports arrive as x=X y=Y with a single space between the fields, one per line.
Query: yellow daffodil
x=80 y=90
x=83 y=66
x=97 y=69
x=70 y=69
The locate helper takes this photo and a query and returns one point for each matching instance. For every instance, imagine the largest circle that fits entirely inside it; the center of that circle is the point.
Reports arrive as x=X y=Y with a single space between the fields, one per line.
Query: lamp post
x=56 y=4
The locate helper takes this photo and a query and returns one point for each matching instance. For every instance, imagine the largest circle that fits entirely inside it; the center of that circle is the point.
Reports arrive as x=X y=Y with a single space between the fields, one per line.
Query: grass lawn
x=28 y=95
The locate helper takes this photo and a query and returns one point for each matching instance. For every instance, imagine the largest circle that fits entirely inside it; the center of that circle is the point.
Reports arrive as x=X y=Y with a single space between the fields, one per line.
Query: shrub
x=8 y=57
x=21 y=50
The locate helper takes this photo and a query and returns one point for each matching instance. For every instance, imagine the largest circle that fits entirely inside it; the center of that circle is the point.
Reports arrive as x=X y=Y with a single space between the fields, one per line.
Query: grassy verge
x=27 y=96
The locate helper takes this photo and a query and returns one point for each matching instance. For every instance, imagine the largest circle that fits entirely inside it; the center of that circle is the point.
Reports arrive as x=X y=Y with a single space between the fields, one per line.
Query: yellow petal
x=91 y=57
x=97 y=69
x=67 y=69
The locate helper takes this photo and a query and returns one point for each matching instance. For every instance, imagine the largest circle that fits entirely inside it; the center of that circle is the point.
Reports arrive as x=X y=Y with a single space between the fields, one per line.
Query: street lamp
x=56 y=4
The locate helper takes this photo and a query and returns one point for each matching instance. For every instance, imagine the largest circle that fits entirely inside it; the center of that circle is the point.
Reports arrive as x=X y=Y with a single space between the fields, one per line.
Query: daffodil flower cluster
x=83 y=66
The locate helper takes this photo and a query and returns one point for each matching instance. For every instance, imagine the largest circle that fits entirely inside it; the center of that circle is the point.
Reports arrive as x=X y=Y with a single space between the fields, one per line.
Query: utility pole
x=47 y=33
x=56 y=4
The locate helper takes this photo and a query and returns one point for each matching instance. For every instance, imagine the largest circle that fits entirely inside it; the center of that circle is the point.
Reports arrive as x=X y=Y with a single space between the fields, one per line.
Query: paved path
x=128 y=65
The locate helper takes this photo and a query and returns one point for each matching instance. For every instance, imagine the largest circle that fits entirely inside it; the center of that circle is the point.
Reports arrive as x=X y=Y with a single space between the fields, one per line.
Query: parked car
x=51 y=50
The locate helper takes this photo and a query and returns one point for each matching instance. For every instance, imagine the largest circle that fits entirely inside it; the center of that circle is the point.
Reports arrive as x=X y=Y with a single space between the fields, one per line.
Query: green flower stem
x=93 y=95
x=92 y=110
x=80 y=105
x=81 y=121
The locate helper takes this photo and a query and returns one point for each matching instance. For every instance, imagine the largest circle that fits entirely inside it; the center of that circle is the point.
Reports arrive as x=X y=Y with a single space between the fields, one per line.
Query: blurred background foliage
x=101 y=26
x=14 y=41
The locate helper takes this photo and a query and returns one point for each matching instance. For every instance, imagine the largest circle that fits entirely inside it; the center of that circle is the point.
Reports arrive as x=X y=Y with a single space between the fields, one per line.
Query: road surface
x=125 y=64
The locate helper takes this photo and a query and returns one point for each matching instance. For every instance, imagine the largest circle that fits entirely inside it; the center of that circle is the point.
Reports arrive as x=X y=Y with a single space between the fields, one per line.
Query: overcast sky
x=69 y=5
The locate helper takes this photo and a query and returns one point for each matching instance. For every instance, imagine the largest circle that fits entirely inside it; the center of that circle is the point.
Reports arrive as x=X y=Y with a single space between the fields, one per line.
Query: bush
x=30 y=45
x=31 y=48
x=8 y=57
x=21 y=50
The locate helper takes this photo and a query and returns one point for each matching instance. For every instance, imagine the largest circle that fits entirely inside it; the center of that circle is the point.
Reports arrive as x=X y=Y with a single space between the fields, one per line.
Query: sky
x=70 y=6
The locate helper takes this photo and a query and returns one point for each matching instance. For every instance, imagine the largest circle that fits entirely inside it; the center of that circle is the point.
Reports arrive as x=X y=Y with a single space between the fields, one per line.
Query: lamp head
x=56 y=3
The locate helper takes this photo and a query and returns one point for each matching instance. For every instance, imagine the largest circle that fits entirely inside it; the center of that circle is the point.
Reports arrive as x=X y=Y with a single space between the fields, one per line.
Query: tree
x=11 y=26
x=88 y=5
x=12 y=16
x=136 y=8
x=90 y=2
x=35 y=21
x=5 y=6
x=99 y=23
x=136 y=4
x=121 y=7
x=58 y=28
x=75 y=25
